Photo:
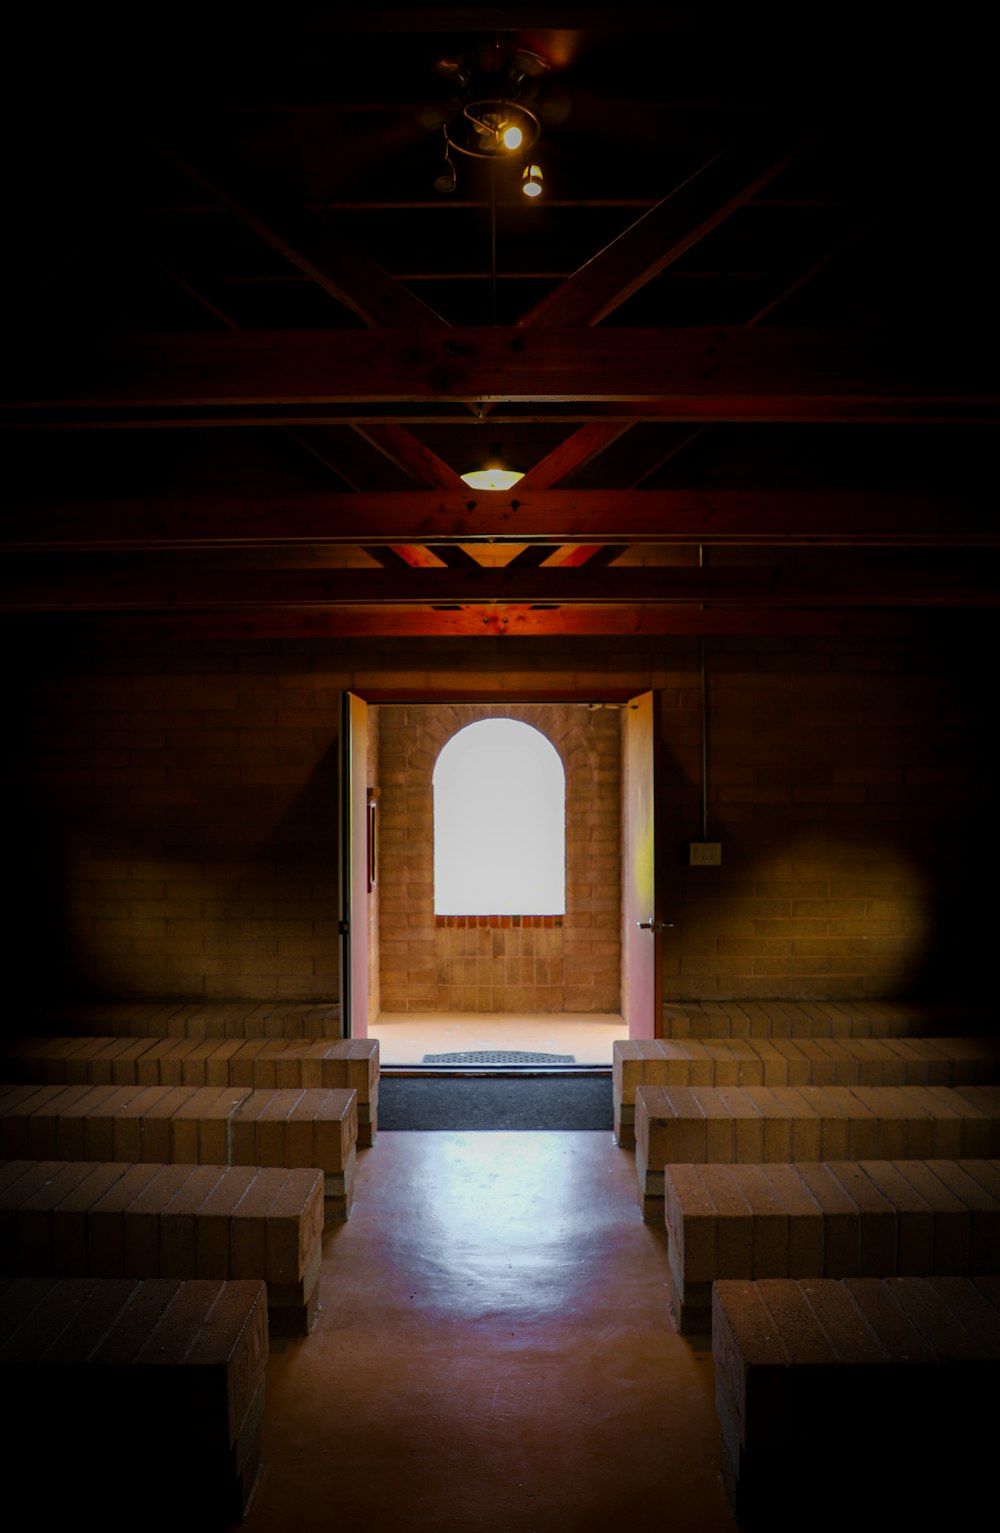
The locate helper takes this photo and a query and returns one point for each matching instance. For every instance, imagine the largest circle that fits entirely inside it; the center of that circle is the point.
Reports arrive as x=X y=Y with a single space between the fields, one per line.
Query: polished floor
x=493 y=1351
x=405 y=1039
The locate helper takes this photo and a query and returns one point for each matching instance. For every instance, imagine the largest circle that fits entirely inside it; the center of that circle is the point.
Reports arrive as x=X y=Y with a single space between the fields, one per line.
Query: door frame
x=354 y=859
x=642 y=864
x=355 y=862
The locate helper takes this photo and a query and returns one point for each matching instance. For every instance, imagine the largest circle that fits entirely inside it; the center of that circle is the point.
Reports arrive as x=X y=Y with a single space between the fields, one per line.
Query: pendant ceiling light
x=531 y=181
x=491 y=119
x=488 y=130
x=491 y=88
x=492 y=473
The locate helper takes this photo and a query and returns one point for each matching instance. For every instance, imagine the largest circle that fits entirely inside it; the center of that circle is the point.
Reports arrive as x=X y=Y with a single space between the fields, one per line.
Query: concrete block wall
x=170 y=823
x=568 y=963
x=853 y=788
x=177 y=824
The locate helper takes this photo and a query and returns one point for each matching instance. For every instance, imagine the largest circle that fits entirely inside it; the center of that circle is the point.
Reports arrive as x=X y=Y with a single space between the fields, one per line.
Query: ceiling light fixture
x=493 y=473
x=446 y=180
x=491 y=86
x=488 y=129
x=531 y=181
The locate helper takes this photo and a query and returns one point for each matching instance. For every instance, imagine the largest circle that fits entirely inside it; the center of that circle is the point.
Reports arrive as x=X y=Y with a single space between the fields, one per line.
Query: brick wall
x=570 y=964
x=171 y=809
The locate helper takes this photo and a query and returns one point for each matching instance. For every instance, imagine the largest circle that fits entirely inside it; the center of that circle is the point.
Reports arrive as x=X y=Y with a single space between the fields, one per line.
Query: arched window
x=499 y=822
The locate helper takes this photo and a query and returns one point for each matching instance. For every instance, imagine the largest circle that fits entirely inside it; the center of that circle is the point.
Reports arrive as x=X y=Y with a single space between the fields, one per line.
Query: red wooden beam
x=666 y=232
x=471 y=623
x=35 y=582
x=769 y=373
x=850 y=519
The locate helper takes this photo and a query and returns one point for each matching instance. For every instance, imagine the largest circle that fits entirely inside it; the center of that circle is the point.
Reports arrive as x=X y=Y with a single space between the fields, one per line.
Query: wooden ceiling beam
x=831 y=518
x=82 y=417
x=571 y=455
x=344 y=272
x=472 y=622
x=665 y=233
x=479 y=19
x=30 y=583
x=655 y=241
x=768 y=373
x=409 y=454
x=392 y=441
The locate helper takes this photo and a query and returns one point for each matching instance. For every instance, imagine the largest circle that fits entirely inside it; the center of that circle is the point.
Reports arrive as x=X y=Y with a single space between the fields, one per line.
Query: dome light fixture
x=493 y=472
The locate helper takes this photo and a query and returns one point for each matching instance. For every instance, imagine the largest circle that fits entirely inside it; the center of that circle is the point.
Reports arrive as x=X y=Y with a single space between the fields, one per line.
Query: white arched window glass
x=499 y=822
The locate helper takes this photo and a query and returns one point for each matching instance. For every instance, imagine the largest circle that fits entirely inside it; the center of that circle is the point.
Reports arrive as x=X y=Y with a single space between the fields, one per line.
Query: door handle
x=653 y=926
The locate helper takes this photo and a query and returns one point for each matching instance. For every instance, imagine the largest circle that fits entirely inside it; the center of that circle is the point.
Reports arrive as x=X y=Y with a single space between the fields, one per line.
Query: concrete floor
x=493 y=1351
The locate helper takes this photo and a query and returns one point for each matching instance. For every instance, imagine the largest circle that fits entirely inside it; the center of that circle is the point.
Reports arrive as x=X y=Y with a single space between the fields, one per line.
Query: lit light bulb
x=495 y=474
x=531 y=181
x=512 y=137
x=492 y=478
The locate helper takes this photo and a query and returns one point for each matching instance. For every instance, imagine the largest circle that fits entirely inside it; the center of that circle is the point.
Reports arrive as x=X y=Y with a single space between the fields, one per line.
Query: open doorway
x=514 y=982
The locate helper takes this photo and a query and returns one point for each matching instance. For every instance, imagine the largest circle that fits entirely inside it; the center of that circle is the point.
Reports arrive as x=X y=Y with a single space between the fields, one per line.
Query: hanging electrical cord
x=704 y=721
x=704 y=746
x=493 y=244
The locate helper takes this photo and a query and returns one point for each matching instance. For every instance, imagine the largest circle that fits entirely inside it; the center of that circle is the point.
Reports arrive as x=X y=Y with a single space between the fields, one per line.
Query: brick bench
x=821 y=1019
x=189 y=1125
x=62 y=1218
x=136 y=1403
x=191 y=1019
x=757 y=1124
x=857 y=1401
x=794 y=1062
x=833 y=1219
x=350 y=1064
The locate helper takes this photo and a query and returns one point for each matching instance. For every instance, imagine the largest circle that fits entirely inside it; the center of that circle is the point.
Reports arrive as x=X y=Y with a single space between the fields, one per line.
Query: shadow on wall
x=305 y=836
x=37 y=944
x=80 y=880
x=854 y=795
x=892 y=904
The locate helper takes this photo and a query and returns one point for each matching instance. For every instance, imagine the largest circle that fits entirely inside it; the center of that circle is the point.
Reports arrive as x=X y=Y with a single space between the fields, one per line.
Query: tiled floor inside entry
x=493 y=1353
x=405 y=1039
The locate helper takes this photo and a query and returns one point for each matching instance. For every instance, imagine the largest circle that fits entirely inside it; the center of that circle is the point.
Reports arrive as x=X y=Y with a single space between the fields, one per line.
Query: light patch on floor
x=405 y=1039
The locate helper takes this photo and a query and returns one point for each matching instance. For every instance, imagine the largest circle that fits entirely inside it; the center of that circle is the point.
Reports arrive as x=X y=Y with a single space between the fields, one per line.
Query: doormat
x=499 y=1057
x=535 y=1102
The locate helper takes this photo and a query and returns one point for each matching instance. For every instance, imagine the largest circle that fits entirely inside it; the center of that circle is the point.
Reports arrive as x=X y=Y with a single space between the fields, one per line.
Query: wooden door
x=642 y=922
x=355 y=866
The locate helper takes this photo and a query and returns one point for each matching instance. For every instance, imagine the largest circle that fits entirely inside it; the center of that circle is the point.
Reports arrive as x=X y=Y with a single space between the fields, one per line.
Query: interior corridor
x=493 y=1351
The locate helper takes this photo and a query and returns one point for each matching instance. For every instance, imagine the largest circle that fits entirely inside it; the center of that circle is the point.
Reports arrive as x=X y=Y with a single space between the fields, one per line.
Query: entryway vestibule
x=516 y=983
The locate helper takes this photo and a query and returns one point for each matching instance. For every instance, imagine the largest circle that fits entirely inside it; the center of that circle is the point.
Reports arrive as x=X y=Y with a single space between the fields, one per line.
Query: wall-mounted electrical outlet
x=704 y=854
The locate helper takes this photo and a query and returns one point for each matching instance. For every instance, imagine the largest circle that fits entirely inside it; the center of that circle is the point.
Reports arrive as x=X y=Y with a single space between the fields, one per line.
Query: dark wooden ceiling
x=744 y=344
